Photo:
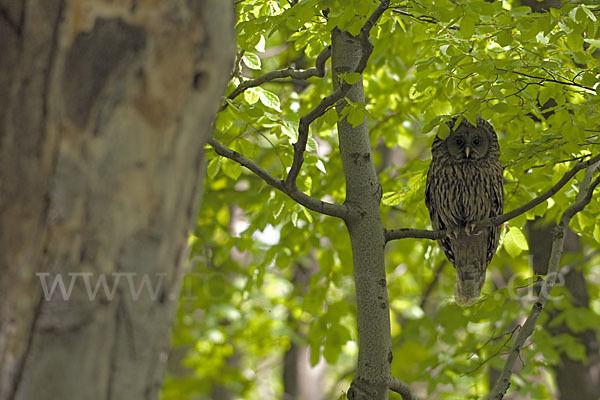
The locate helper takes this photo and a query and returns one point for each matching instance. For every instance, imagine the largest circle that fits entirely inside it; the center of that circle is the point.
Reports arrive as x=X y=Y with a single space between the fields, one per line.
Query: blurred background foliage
x=267 y=308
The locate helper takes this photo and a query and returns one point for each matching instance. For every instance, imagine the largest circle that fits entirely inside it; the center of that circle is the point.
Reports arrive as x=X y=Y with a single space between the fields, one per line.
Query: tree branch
x=565 y=82
x=405 y=233
x=323 y=207
x=301 y=74
x=288 y=186
x=423 y=18
x=584 y=196
x=402 y=388
x=327 y=102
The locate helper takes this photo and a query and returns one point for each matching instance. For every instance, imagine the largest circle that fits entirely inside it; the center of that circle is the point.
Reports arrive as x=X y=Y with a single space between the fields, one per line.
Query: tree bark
x=104 y=112
x=363 y=196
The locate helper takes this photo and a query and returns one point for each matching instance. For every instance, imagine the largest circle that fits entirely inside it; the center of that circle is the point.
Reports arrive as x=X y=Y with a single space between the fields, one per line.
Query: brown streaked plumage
x=465 y=185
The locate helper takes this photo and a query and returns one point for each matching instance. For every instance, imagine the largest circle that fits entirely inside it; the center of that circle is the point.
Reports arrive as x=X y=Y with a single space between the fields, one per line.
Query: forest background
x=271 y=291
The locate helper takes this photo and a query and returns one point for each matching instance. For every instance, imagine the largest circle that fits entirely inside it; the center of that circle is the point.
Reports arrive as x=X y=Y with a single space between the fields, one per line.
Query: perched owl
x=464 y=186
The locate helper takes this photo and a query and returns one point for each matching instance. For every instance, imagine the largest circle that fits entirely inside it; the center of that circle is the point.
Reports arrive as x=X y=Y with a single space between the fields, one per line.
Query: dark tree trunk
x=104 y=112
x=575 y=379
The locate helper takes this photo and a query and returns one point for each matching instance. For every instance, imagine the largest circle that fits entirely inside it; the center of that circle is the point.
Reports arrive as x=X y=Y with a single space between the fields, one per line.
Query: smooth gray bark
x=363 y=195
x=104 y=112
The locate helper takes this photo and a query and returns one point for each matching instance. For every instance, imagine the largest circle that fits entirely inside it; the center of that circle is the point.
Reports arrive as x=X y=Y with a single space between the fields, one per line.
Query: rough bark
x=574 y=378
x=363 y=195
x=104 y=112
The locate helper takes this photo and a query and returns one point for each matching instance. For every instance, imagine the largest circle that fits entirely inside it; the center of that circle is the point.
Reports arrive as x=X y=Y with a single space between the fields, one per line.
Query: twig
x=402 y=388
x=323 y=207
x=422 y=18
x=481 y=364
x=569 y=267
x=404 y=233
x=300 y=74
x=584 y=196
x=431 y=286
x=566 y=82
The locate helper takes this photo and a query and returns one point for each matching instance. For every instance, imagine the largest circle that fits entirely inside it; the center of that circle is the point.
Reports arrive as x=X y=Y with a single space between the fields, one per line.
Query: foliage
x=534 y=76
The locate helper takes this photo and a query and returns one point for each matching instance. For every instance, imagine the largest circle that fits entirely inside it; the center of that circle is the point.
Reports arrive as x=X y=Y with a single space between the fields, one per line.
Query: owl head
x=469 y=143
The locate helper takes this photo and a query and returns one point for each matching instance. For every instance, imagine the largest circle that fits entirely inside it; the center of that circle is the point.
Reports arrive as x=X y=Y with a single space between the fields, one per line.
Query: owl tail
x=469 y=281
x=470 y=253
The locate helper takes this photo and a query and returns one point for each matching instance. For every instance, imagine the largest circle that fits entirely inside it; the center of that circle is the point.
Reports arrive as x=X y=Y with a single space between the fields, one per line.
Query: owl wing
x=497 y=208
x=436 y=218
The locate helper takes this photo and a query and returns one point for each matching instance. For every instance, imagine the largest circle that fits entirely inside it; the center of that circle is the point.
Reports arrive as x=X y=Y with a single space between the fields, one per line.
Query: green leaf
x=391 y=198
x=213 y=167
x=355 y=116
x=231 y=168
x=588 y=79
x=331 y=117
x=270 y=99
x=504 y=37
x=467 y=25
x=251 y=60
x=546 y=92
x=500 y=107
x=443 y=131
x=515 y=242
x=588 y=12
x=252 y=95
x=351 y=77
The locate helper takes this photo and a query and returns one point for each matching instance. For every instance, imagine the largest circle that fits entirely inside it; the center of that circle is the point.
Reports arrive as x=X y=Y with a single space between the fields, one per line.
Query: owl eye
x=460 y=142
x=476 y=141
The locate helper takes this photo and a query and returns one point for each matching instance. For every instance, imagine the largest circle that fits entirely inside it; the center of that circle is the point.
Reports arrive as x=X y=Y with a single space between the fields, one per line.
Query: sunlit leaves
x=514 y=242
x=251 y=60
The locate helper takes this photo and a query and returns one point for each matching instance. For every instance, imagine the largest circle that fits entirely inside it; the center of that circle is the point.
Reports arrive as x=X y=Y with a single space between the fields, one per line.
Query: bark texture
x=104 y=112
x=363 y=196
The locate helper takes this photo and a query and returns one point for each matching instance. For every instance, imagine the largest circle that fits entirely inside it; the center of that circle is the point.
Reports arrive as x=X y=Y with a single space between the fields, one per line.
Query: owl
x=464 y=186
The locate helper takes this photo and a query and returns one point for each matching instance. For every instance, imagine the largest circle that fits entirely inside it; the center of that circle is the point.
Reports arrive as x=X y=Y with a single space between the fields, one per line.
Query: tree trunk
x=574 y=378
x=363 y=196
x=300 y=379
x=104 y=112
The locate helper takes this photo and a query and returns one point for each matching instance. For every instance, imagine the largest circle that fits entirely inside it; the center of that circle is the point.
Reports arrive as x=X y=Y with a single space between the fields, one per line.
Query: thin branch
x=584 y=196
x=300 y=74
x=436 y=277
x=566 y=82
x=402 y=388
x=495 y=354
x=422 y=18
x=372 y=20
x=323 y=207
x=405 y=233
x=570 y=267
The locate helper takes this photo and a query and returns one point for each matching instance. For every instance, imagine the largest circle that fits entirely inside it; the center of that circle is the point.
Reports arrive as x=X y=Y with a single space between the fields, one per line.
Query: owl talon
x=453 y=232
x=471 y=230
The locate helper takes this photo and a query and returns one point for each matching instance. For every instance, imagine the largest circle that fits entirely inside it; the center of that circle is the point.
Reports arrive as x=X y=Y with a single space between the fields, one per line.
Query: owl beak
x=467 y=151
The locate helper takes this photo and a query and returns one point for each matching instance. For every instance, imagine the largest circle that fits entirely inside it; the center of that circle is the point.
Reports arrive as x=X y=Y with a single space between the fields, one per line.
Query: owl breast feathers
x=464 y=186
